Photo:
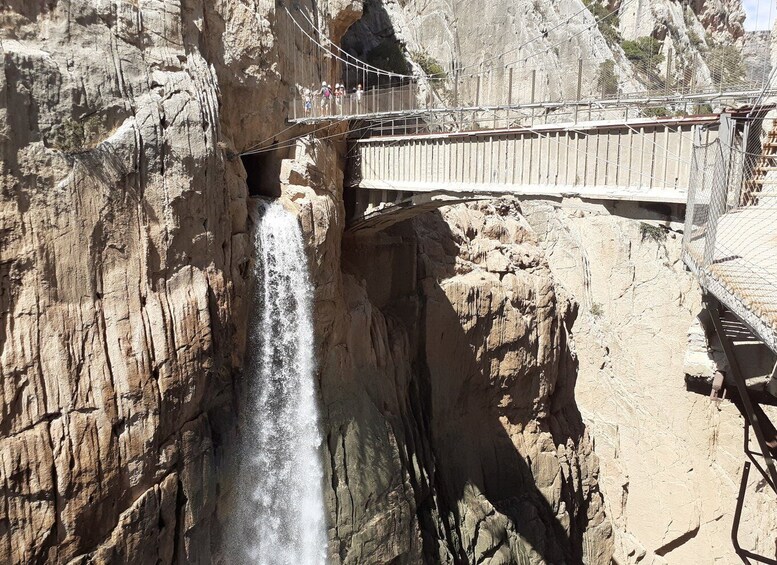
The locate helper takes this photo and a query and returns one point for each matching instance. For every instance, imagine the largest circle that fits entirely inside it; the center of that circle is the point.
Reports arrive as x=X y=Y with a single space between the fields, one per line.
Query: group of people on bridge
x=328 y=94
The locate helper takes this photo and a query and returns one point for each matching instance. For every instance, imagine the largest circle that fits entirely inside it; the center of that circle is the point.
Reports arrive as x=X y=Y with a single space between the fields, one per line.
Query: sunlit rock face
x=548 y=45
x=660 y=446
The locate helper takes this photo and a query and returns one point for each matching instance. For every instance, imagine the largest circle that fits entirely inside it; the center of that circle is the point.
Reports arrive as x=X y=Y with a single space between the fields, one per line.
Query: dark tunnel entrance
x=263 y=172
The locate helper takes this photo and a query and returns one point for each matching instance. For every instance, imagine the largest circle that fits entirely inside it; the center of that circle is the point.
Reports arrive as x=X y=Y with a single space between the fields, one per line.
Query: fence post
x=579 y=94
x=579 y=79
x=510 y=86
x=533 y=84
x=719 y=188
x=490 y=95
x=693 y=181
x=456 y=87
x=477 y=95
x=668 y=70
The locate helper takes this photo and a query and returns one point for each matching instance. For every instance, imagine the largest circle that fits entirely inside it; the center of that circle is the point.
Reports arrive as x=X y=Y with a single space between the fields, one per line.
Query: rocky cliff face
x=121 y=244
x=549 y=38
x=671 y=459
x=123 y=247
x=757 y=54
x=452 y=431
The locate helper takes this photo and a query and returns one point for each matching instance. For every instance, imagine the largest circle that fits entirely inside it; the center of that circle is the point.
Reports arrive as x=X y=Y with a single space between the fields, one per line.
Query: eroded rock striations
x=120 y=257
x=447 y=387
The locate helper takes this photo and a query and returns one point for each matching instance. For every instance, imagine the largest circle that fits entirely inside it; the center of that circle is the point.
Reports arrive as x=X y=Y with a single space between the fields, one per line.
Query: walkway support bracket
x=752 y=415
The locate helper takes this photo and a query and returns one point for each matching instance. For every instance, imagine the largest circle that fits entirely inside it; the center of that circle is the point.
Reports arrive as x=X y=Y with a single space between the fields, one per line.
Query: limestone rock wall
x=549 y=38
x=671 y=460
x=123 y=253
x=120 y=268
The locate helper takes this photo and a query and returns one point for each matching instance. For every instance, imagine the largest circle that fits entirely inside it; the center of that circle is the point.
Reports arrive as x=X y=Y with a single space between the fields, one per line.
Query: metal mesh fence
x=665 y=88
x=730 y=238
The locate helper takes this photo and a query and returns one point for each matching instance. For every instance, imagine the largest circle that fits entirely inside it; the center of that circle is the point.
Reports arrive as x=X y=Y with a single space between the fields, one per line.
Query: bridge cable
x=362 y=65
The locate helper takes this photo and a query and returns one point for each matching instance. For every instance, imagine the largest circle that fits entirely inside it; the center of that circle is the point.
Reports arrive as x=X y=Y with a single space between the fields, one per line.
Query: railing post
x=719 y=188
x=693 y=181
x=579 y=93
x=456 y=88
x=533 y=85
x=510 y=86
x=490 y=95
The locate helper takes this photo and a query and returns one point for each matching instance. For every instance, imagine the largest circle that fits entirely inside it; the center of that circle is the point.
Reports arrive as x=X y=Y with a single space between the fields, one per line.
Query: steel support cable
x=293 y=140
x=360 y=65
x=284 y=130
x=364 y=65
x=409 y=76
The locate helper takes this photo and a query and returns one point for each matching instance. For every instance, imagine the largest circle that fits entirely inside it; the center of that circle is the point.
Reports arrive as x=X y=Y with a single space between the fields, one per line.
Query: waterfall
x=280 y=513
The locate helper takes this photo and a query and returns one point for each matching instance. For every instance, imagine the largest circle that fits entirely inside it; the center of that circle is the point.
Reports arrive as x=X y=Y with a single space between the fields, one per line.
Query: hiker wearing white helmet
x=326 y=94
x=339 y=91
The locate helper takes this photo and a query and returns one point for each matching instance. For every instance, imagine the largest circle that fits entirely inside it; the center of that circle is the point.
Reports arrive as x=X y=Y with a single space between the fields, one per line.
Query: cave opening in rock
x=372 y=39
x=263 y=173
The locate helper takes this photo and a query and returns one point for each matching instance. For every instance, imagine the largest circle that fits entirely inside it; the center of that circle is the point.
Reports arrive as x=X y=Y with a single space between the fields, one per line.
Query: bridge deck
x=420 y=99
x=643 y=160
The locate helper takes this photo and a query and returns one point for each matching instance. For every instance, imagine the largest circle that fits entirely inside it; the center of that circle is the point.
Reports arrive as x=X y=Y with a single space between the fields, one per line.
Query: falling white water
x=280 y=516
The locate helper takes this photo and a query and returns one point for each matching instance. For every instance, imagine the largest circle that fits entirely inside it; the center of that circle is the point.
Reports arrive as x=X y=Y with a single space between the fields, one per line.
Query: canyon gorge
x=500 y=381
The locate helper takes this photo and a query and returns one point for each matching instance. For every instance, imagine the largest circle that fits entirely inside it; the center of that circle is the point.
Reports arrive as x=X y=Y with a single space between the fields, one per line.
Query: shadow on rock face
x=494 y=419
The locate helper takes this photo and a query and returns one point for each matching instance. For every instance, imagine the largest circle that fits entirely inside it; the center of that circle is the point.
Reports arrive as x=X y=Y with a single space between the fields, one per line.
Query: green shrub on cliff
x=607 y=79
x=643 y=51
x=606 y=22
x=428 y=64
x=651 y=232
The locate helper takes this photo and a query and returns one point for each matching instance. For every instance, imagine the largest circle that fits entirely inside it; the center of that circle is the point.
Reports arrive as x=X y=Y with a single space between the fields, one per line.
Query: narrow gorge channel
x=279 y=518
